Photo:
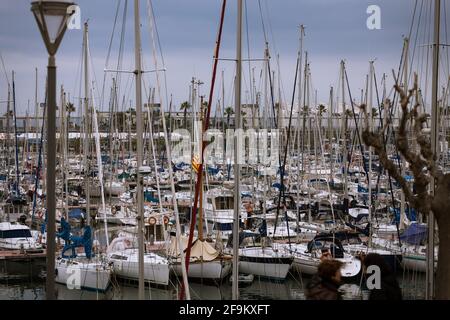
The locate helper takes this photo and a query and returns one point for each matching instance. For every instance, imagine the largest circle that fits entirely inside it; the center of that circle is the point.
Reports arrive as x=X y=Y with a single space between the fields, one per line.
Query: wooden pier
x=22 y=255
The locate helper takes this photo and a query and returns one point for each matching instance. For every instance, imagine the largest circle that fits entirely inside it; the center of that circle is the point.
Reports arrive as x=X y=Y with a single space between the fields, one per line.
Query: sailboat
x=205 y=262
x=124 y=256
x=83 y=270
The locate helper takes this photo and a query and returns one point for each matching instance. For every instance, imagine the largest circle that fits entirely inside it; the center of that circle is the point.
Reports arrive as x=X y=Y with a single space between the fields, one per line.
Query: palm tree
x=69 y=109
x=374 y=113
x=322 y=110
x=244 y=119
x=185 y=106
x=228 y=112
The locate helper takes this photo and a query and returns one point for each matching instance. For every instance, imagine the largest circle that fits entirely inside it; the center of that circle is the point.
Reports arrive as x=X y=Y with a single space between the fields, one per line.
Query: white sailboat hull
x=213 y=270
x=264 y=262
x=83 y=275
x=156 y=269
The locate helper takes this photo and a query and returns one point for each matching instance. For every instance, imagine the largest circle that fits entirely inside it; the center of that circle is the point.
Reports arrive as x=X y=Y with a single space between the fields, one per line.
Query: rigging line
x=392 y=110
x=413 y=18
x=4 y=69
x=154 y=24
x=356 y=122
x=420 y=61
x=282 y=187
x=78 y=73
x=428 y=39
x=39 y=165
x=272 y=98
x=121 y=48
x=205 y=126
x=262 y=22
x=270 y=27
x=248 y=54
x=446 y=38
x=94 y=81
x=396 y=150
x=415 y=40
x=156 y=32
x=109 y=52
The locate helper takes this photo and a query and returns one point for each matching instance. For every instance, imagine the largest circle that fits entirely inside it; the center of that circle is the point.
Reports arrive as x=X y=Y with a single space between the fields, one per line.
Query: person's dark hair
x=378 y=260
x=328 y=268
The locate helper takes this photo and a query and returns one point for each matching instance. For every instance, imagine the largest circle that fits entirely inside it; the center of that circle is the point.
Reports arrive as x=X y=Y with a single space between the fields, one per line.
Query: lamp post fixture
x=51 y=17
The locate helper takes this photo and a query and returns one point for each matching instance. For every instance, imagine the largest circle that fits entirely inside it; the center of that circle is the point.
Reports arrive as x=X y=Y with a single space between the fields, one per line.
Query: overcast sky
x=335 y=30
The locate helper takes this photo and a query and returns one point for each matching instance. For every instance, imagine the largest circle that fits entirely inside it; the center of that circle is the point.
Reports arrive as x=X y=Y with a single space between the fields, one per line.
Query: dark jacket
x=390 y=290
x=322 y=289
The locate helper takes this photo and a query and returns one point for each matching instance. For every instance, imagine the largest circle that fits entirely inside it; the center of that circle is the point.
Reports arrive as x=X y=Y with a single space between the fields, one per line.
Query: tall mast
x=15 y=135
x=36 y=109
x=344 y=161
x=299 y=111
x=402 y=167
x=87 y=133
x=8 y=136
x=434 y=147
x=369 y=182
x=139 y=186
x=330 y=132
x=237 y=120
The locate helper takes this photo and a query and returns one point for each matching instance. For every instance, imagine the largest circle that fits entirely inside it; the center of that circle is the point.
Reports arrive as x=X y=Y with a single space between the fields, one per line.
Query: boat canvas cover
x=415 y=234
x=200 y=250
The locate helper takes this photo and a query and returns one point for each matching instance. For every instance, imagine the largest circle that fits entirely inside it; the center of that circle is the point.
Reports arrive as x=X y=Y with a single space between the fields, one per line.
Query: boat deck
x=18 y=255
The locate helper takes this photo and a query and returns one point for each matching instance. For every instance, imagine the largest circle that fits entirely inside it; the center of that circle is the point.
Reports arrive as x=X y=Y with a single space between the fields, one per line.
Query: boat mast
x=344 y=160
x=330 y=132
x=434 y=148
x=299 y=110
x=8 y=136
x=139 y=186
x=15 y=135
x=237 y=123
x=36 y=110
x=87 y=179
x=369 y=182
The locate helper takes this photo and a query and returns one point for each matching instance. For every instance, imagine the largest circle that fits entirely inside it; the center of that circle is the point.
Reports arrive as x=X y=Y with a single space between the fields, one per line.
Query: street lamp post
x=51 y=17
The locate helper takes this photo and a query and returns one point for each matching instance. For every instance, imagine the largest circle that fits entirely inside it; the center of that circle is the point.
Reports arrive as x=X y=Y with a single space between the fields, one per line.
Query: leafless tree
x=423 y=165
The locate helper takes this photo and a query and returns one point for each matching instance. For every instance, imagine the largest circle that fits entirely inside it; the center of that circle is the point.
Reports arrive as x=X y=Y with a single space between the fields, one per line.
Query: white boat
x=82 y=273
x=124 y=256
x=280 y=232
x=415 y=258
x=219 y=205
x=15 y=236
x=117 y=215
x=307 y=256
x=265 y=262
x=115 y=188
x=205 y=261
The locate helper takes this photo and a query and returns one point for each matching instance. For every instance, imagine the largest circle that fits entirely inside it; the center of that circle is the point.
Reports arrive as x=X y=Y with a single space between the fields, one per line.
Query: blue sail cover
x=76 y=214
x=213 y=171
x=415 y=234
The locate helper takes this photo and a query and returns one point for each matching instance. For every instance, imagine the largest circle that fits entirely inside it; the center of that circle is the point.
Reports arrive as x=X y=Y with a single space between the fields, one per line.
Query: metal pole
x=237 y=195
x=369 y=174
x=299 y=111
x=51 y=182
x=87 y=132
x=139 y=186
x=344 y=159
x=405 y=86
x=36 y=110
x=434 y=148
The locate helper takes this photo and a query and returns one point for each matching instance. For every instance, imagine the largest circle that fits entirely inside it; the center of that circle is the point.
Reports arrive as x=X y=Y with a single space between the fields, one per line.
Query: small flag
x=195 y=163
